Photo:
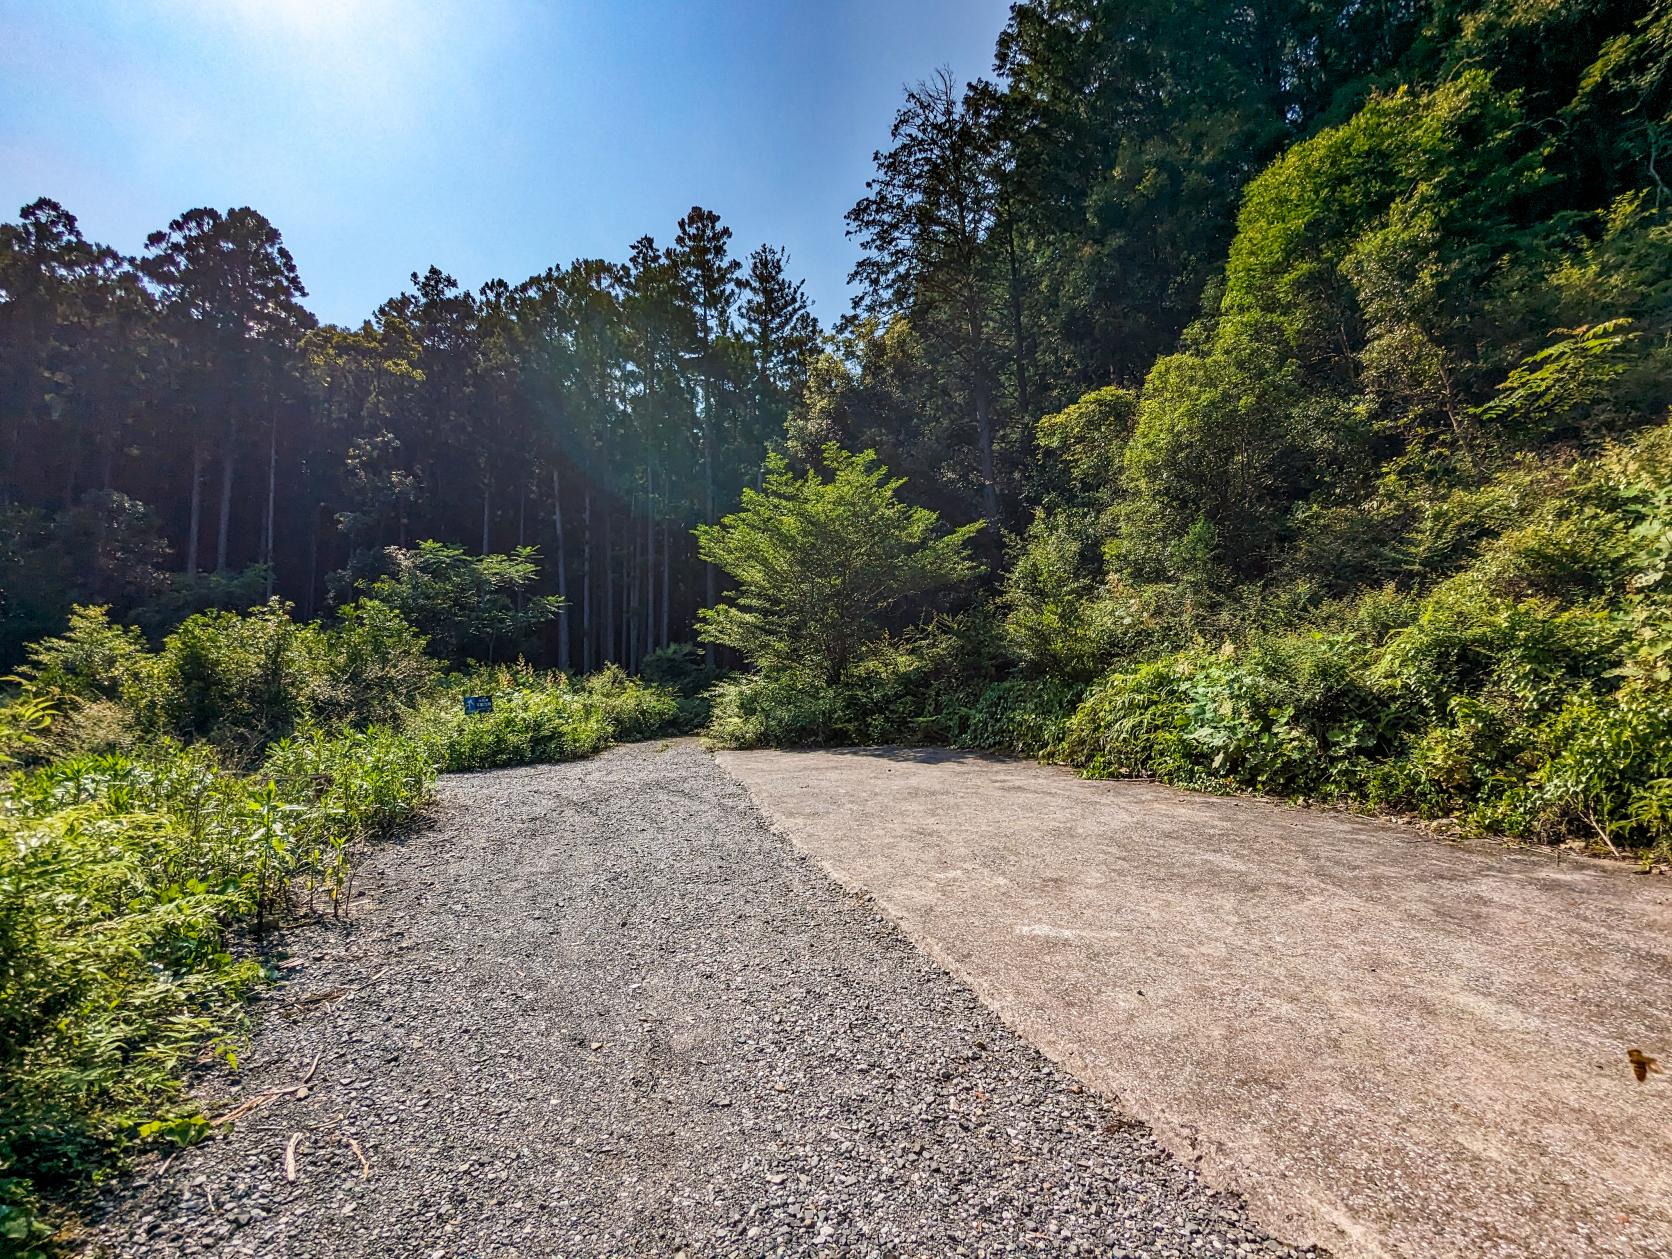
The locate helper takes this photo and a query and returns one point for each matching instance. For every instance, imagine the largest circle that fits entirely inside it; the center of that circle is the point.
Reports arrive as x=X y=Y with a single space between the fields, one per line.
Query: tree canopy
x=825 y=563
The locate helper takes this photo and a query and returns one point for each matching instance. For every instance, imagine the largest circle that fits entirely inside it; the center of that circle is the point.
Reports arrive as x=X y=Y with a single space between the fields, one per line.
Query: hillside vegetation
x=1389 y=523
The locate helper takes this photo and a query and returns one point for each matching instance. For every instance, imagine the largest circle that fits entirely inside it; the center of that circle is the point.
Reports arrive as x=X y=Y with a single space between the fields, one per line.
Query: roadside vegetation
x=1523 y=694
x=168 y=806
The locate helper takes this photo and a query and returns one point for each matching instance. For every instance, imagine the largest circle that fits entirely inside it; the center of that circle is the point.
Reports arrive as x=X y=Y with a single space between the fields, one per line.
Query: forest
x=1250 y=397
x=182 y=434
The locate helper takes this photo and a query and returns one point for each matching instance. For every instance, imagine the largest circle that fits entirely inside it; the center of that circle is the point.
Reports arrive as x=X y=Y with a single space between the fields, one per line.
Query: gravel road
x=601 y=1009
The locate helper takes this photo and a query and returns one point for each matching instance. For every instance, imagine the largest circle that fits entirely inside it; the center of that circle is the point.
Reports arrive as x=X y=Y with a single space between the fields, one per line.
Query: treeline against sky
x=1190 y=302
x=1358 y=215
x=180 y=432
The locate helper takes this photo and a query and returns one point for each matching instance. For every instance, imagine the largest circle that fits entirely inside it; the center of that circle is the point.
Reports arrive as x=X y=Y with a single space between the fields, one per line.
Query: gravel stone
x=601 y=1009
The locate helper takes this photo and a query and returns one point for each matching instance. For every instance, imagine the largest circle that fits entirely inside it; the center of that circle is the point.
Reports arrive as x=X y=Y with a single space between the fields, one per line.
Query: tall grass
x=175 y=804
x=129 y=891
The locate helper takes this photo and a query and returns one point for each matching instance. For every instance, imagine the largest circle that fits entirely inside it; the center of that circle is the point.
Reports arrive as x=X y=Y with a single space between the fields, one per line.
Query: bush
x=368 y=668
x=682 y=669
x=826 y=567
x=633 y=709
x=1057 y=619
x=782 y=709
x=679 y=666
x=122 y=881
x=130 y=880
x=1133 y=724
x=235 y=680
x=1020 y=716
x=238 y=681
x=538 y=717
x=913 y=689
x=469 y=606
x=1606 y=773
x=92 y=659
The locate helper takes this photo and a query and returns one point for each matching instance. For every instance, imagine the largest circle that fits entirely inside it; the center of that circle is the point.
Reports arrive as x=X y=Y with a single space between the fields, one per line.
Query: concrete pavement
x=1389 y=1044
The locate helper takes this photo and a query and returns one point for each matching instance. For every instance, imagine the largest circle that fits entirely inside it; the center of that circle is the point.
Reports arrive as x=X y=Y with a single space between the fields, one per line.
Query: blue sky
x=490 y=137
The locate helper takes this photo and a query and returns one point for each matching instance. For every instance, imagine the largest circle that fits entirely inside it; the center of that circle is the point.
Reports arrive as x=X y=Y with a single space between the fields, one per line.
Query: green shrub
x=1023 y=716
x=470 y=607
x=22 y=721
x=367 y=668
x=236 y=680
x=131 y=880
x=780 y=709
x=92 y=659
x=1134 y=724
x=679 y=666
x=826 y=567
x=633 y=709
x=538 y=717
x=1526 y=694
x=121 y=882
x=913 y=689
x=1058 y=619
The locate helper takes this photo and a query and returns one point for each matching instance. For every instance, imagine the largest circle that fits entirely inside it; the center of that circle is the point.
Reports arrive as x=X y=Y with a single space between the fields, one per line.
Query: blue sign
x=474 y=704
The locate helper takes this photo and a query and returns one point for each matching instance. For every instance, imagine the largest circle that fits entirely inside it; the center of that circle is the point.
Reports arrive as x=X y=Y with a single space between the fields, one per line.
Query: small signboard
x=476 y=704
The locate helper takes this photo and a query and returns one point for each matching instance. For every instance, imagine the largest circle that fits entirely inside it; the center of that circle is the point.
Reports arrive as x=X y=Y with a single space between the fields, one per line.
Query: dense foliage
x=824 y=565
x=122 y=881
x=168 y=806
x=1315 y=358
x=177 y=432
x=469 y=607
x=539 y=717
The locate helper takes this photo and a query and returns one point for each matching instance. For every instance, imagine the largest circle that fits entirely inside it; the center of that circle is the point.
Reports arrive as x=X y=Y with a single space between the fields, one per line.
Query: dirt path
x=600 y=1009
x=1392 y=1045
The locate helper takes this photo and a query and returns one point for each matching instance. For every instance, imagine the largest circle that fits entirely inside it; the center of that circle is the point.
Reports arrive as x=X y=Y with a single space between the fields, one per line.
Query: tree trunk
x=634 y=608
x=272 y=485
x=666 y=579
x=196 y=510
x=562 y=574
x=608 y=653
x=649 y=557
x=1023 y=402
x=70 y=470
x=313 y=559
x=709 y=583
x=984 y=436
x=588 y=660
x=228 y=459
x=487 y=502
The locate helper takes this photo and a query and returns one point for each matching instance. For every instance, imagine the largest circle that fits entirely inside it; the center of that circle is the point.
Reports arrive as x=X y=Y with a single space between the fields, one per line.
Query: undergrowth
x=164 y=808
x=537 y=716
x=130 y=887
x=1527 y=693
